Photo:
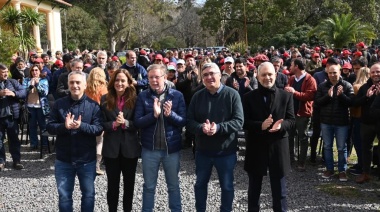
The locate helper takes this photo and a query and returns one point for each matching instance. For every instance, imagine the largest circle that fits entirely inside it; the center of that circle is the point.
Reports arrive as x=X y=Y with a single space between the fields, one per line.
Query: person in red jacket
x=303 y=87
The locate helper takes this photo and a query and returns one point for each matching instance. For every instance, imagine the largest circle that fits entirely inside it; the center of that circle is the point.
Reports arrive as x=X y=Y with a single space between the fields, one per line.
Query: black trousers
x=278 y=187
x=368 y=134
x=316 y=120
x=114 y=167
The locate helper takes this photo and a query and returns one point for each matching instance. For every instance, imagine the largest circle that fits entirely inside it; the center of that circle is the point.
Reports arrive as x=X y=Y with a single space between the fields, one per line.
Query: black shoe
x=2 y=166
x=356 y=172
x=313 y=161
x=18 y=166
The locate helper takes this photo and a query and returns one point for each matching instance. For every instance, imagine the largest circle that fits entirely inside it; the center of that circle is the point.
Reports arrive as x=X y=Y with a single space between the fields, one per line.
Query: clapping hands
x=209 y=128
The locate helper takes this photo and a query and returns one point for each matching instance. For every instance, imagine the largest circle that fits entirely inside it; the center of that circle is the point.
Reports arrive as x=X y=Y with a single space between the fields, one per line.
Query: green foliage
x=343 y=29
x=83 y=30
x=9 y=45
x=238 y=47
x=297 y=35
x=21 y=24
x=9 y=18
x=168 y=42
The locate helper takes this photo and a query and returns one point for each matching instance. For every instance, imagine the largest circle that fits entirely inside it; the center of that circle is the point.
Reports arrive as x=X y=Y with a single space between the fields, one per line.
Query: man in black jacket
x=76 y=120
x=268 y=116
x=242 y=80
x=368 y=127
x=334 y=98
x=10 y=93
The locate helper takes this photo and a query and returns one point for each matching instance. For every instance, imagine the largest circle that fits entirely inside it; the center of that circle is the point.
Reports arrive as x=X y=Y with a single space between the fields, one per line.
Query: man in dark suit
x=268 y=116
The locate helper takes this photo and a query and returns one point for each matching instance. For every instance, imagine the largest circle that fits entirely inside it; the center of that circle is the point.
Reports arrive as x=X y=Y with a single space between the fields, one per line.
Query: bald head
x=266 y=74
x=374 y=73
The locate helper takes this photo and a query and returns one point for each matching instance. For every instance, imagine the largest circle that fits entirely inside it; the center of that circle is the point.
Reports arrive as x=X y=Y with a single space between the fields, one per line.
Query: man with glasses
x=160 y=113
x=215 y=116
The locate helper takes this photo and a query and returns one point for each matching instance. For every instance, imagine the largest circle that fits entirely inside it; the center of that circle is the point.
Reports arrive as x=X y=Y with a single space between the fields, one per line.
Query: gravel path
x=34 y=189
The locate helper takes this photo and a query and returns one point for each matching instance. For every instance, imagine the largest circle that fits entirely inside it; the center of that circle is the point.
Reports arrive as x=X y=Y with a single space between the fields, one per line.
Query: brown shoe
x=363 y=178
x=301 y=167
x=327 y=174
x=343 y=177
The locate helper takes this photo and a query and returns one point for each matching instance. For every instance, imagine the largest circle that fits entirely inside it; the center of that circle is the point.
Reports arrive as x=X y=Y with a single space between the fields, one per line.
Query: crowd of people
x=113 y=111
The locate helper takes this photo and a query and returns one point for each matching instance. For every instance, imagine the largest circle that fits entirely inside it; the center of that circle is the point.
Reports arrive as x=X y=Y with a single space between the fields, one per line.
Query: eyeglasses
x=211 y=74
x=155 y=77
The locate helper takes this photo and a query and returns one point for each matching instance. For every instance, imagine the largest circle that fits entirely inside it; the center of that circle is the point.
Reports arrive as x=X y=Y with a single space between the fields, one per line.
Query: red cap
x=32 y=53
x=358 y=53
x=59 y=63
x=115 y=58
x=221 y=61
x=261 y=57
x=329 y=51
x=39 y=60
x=142 y=52
x=222 y=68
x=251 y=67
x=361 y=44
x=286 y=72
x=158 y=57
x=251 y=60
x=166 y=60
x=315 y=55
x=87 y=65
x=347 y=66
x=317 y=48
x=324 y=61
x=286 y=54
x=346 y=52
x=188 y=56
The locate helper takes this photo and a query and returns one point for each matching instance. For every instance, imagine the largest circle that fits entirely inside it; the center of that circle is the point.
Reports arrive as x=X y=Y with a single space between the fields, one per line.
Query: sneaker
x=2 y=166
x=99 y=172
x=327 y=174
x=18 y=166
x=356 y=172
x=343 y=177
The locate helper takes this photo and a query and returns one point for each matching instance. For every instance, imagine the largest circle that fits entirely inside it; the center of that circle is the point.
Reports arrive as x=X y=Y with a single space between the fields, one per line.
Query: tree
x=9 y=45
x=90 y=35
x=21 y=24
x=297 y=35
x=341 y=30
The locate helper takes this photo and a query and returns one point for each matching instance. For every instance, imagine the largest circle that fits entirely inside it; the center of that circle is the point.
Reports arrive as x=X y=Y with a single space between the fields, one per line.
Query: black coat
x=334 y=110
x=264 y=149
x=124 y=141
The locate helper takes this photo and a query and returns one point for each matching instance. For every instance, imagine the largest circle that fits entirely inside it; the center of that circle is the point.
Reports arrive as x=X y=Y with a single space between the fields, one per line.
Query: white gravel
x=34 y=189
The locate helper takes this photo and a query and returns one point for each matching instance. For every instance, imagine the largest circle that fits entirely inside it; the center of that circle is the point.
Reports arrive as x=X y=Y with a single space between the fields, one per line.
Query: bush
x=9 y=45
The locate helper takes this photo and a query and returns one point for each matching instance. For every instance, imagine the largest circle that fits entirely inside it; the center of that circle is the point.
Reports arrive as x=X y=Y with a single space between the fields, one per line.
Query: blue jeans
x=340 y=133
x=151 y=161
x=11 y=126
x=65 y=177
x=36 y=117
x=225 y=167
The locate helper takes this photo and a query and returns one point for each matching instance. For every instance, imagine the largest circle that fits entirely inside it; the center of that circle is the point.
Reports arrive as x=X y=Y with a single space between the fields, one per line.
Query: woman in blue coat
x=37 y=104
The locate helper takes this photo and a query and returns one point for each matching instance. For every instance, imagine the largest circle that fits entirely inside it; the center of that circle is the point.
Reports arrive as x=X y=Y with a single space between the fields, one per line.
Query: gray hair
x=277 y=60
x=3 y=67
x=101 y=53
x=161 y=67
x=75 y=61
x=211 y=65
x=77 y=73
x=264 y=64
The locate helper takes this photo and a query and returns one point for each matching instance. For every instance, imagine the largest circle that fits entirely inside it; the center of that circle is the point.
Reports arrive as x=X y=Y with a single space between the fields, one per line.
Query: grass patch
x=340 y=190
